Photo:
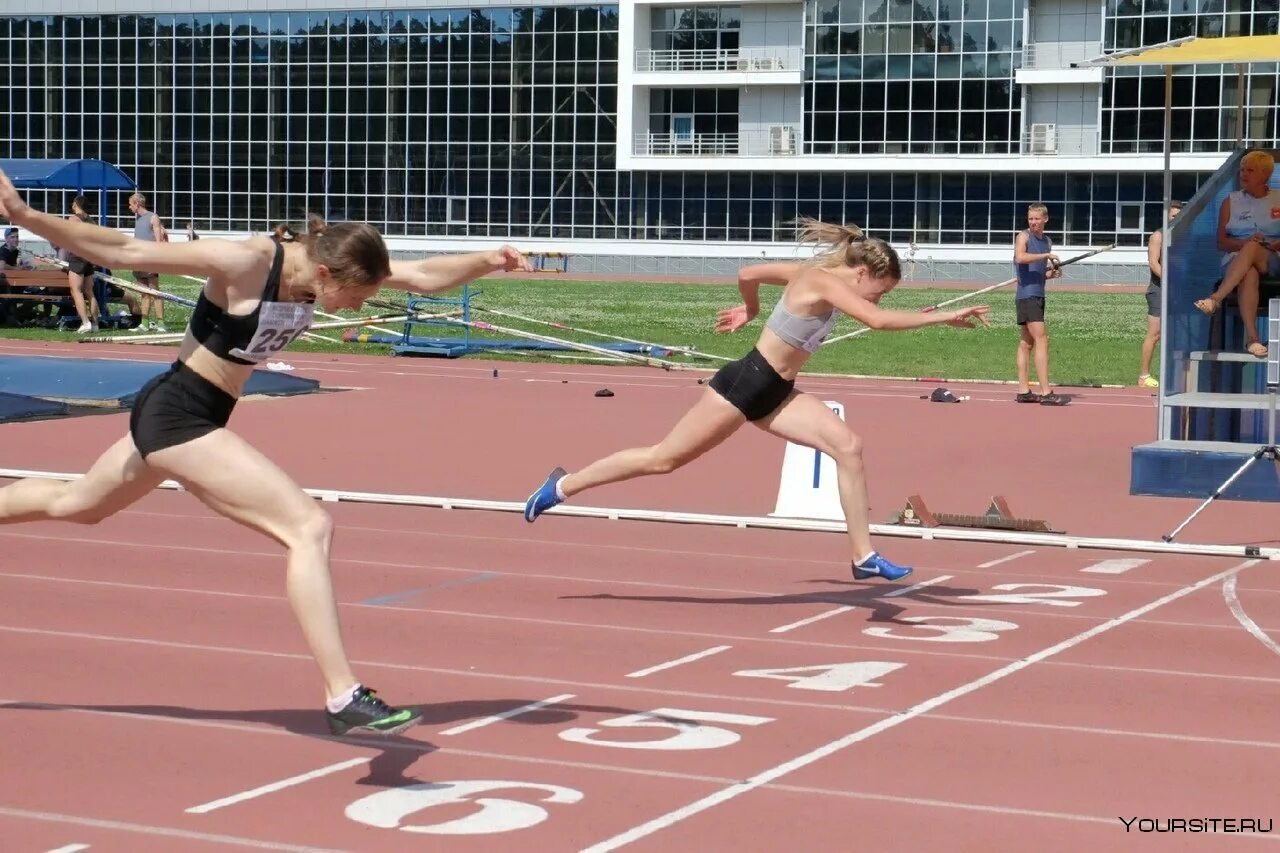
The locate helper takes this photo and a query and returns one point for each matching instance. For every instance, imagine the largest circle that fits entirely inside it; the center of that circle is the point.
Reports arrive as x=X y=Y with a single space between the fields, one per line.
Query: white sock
x=866 y=557
x=560 y=489
x=341 y=701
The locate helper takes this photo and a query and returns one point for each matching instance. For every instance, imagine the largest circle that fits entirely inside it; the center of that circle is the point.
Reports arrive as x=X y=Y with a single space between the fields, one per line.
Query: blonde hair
x=1260 y=159
x=139 y=198
x=1038 y=208
x=846 y=245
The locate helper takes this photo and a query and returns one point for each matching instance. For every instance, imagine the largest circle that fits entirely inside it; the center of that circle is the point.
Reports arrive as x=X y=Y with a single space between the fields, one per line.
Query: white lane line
x=765 y=777
x=70 y=848
x=1114 y=567
x=1237 y=610
x=159 y=831
x=506 y=715
x=991 y=563
x=826 y=614
x=277 y=786
x=907 y=590
x=714 y=650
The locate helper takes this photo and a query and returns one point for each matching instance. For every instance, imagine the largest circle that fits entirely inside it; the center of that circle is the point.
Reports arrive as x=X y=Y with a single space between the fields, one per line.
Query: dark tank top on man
x=1031 y=276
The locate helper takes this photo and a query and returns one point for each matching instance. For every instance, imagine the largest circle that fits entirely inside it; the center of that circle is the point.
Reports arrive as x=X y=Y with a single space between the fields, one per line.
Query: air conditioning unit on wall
x=782 y=139
x=1044 y=138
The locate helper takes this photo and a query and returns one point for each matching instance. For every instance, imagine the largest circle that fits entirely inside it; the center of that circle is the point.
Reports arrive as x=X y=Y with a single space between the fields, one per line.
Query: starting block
x=997 y=517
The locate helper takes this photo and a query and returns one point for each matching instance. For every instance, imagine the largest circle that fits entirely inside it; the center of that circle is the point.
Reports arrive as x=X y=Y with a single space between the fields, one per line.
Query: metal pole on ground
x=683 y=350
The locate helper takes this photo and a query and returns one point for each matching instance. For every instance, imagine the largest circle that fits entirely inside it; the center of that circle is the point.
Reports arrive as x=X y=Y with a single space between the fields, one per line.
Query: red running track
x=595 y=685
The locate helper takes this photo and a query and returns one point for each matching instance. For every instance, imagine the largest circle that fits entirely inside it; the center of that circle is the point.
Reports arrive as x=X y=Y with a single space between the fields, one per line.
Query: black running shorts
x=1030 y=310
x=752 y=386
x=177 y=406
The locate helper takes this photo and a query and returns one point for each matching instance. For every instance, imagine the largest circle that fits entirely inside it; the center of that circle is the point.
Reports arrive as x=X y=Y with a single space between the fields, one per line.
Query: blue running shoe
x=877 y=566
x=544 y=498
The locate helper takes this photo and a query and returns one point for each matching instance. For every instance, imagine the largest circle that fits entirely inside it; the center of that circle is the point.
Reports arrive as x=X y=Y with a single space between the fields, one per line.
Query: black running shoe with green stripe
x=367 y=713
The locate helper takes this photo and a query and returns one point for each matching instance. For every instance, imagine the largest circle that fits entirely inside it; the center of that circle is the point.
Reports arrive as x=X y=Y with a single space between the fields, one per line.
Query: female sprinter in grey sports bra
x=257 y=299
x=849 y=274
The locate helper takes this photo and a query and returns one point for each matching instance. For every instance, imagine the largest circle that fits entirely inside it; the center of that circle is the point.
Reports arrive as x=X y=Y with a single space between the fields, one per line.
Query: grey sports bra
x=801 y=332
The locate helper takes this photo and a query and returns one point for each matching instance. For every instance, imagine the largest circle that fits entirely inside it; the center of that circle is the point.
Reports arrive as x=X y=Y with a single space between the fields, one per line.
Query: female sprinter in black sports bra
x=849 y=274
x=258 y=298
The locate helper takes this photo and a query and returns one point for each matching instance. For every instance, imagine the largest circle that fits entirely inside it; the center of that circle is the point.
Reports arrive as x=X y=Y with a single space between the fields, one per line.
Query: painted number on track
x=388 y=809
x=831 y=677
x=946 y=629
x=1051 y=594
x=685 y=730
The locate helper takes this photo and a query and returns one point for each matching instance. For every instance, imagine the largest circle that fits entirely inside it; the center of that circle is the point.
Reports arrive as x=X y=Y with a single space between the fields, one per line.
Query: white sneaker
x=160 y=328
x=84 y=329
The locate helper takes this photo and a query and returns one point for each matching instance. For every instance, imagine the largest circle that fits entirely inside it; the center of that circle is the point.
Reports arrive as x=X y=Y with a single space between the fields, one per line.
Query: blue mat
x=15 y=407
x=100 y=380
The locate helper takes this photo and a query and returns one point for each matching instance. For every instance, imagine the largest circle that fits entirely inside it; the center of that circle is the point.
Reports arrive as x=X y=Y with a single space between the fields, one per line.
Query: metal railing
x=781 y=141
x=1062 y=141
x=753 y=59
x=1058 y=54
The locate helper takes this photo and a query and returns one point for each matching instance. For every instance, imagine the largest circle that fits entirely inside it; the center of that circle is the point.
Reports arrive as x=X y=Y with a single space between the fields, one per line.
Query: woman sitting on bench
x=1249 y=232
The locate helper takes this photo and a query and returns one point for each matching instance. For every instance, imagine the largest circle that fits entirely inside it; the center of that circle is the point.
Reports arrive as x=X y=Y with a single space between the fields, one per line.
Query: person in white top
x=1249 y=233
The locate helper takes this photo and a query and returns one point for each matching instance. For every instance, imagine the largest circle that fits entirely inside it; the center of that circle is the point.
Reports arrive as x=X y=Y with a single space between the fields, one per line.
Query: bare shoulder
x=243 y=264
x=814 y=283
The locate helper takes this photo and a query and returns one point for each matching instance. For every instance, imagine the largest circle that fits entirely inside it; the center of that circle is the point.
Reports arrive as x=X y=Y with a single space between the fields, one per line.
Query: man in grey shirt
x=148 y=227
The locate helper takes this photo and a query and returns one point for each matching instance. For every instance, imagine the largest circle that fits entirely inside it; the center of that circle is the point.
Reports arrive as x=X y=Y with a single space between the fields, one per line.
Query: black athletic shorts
x=752 y=385
x=79 y=266
x=1153 y=300
x=177 y=406
x=1030 y=310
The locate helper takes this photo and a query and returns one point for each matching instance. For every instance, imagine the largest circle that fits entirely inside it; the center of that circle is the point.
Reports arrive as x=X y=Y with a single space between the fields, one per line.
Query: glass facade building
x=937 y=121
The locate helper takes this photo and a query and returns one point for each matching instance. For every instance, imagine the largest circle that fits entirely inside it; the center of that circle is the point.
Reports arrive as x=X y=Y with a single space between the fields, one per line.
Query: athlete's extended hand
x=509 y=258
x=733 y=319
x=11 y=204
x=964 y=318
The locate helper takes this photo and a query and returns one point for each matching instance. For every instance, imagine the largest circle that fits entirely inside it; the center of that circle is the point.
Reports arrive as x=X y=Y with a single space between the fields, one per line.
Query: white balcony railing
x=780 y=141
x=752 y=59
x=1062 y=141
x=1046 y=55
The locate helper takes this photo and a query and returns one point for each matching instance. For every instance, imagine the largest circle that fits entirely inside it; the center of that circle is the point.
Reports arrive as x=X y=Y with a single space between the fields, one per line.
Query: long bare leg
x=809 y=421
x=119 y=478
x=234 y=479
x=711 y=420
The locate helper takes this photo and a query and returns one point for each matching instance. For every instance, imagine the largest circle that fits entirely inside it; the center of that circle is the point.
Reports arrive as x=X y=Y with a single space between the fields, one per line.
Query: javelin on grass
x=683 y=350
x=987 y=289
x=648 y=361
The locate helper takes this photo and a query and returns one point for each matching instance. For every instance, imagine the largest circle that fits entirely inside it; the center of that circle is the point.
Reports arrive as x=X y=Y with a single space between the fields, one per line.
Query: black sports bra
x=250 y=338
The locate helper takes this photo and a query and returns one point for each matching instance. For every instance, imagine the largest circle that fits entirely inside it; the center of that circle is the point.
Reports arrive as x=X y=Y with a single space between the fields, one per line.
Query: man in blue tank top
x=1034 y=261
x=148 y=227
